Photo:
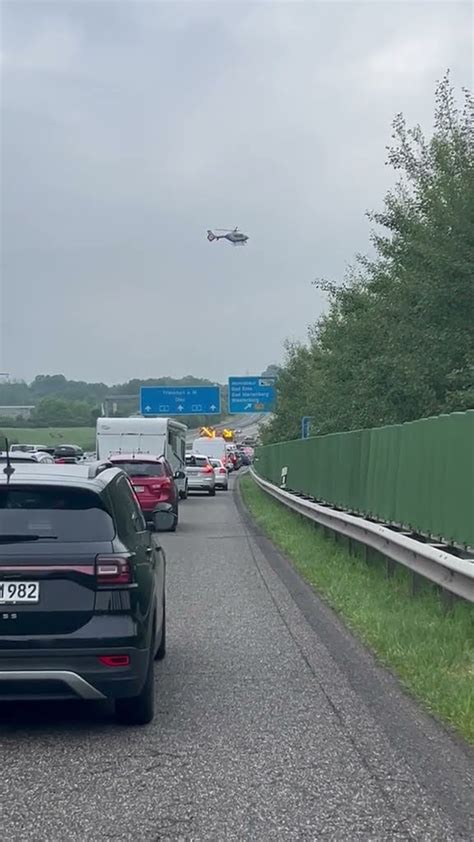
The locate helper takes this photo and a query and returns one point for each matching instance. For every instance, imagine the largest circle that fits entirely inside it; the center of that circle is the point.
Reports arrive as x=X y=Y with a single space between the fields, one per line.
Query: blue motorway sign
x=184 y=400
x=252 y=394
x=306 y=426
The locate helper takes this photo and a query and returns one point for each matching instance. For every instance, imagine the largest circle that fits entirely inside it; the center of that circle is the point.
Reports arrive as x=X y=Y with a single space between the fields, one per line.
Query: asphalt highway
x=273 y=723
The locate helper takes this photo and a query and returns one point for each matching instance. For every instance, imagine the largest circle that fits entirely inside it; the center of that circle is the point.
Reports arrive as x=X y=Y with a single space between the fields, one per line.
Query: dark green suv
x=82 y=588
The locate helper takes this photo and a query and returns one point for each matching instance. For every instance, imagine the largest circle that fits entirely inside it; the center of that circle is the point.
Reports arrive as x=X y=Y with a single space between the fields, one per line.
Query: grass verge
x=82 y=436
x=431 y=651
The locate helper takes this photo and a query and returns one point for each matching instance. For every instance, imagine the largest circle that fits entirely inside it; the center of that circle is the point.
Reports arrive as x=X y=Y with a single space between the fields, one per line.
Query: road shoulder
x=396 y=735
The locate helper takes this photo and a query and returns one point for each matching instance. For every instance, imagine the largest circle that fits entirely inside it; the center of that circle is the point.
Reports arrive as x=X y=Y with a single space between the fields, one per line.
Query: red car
x=152 y=478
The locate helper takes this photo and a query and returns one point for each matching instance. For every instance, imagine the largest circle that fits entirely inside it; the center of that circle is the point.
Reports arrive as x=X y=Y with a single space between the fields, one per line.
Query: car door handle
x=149 y=550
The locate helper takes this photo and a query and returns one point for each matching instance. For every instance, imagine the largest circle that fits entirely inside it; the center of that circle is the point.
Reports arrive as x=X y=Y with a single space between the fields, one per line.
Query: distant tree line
x=397 y=341
x=59 y=402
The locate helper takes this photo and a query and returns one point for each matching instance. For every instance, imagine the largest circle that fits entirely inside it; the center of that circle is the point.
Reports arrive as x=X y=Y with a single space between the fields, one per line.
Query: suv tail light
x=113 y=570
x=160 y=484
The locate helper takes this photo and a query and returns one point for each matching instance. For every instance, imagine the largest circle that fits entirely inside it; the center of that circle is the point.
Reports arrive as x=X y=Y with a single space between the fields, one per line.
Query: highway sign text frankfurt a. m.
x=180 y=400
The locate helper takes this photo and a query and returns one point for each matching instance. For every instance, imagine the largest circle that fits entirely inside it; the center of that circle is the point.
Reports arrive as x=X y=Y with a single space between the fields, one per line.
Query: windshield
x=142 y=469
x=65 y=514
x=124 y=444
x=196 y=461
x=22 y=448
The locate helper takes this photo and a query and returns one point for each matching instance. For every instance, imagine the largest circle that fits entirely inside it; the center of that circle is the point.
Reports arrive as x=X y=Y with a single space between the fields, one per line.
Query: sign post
x=306 y=426
x=180 y=400
x=251 y=394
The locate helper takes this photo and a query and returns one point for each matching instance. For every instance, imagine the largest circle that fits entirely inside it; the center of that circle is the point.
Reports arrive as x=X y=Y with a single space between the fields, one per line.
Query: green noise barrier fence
x=419 y=475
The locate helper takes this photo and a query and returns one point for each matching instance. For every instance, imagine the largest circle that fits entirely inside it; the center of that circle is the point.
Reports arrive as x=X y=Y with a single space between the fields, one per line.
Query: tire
x=212 y=492
x=174 y=527
x=225 y=488
x=139 y=710
x=161 y=651
x=184 y=494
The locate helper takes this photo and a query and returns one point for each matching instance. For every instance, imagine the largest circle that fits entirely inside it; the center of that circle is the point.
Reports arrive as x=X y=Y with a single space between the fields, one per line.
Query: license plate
x=19 y=592
x=139 y=489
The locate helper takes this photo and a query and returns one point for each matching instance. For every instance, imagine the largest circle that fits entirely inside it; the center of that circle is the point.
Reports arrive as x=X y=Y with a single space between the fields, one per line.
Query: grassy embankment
x=82 y=436
x=429 y=649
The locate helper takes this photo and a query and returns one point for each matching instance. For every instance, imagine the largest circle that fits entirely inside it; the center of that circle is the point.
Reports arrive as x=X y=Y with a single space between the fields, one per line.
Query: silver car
x=200 y=473
x=221 y=474
x=30 y=457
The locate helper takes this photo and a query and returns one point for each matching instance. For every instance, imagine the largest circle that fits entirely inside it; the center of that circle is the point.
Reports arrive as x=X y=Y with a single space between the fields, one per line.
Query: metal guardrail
x=455 y=575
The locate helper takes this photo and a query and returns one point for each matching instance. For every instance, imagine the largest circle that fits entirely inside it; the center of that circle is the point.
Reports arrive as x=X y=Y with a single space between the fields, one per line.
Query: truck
x=157 y=436
x=215 y=448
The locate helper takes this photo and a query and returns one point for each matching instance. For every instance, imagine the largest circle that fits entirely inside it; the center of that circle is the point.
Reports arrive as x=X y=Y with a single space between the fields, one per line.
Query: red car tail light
x=161 y=484
x=115 y=660
x=208 y=469
x=113 y=570
x=222 y=470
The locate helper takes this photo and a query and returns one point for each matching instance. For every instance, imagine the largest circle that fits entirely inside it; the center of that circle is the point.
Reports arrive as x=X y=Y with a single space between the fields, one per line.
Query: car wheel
x=212 y=492
x=225 y=487
x=139 y=710
x=161 y=651
x=184 y=494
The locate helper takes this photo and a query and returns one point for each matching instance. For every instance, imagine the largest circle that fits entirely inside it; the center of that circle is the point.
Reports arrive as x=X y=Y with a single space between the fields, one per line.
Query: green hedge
x=419 y=474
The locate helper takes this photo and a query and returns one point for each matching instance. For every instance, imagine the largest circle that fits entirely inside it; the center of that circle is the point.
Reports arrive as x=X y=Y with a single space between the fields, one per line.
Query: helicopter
x=233 y=235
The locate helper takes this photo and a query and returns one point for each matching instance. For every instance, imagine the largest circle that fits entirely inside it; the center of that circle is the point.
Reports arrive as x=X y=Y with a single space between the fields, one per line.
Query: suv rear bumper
x=201 y=483
x=27 y=675
x=149 y=502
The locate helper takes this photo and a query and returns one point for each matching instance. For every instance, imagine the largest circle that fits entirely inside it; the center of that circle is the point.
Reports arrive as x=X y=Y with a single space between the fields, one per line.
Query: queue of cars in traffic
x=39 y=452
x=82 y=569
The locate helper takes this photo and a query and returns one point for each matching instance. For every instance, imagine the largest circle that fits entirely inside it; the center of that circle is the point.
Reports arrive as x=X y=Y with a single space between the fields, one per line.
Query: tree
x=397 y=341
x=57 y=387
x=55 y=412
x=271 y=370
x=296 y=385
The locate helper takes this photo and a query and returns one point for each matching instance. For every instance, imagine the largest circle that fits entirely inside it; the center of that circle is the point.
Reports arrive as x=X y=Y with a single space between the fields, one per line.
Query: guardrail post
x=416 y=581
x=448 y=600
x=390 y=566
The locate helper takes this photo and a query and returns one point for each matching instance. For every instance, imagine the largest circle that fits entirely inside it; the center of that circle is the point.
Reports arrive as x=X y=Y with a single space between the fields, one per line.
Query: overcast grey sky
x=129 y=128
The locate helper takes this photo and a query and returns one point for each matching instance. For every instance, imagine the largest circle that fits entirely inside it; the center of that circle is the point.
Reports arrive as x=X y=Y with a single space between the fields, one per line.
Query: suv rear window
x=142 y=469
x=196 y=461
x=64 y=514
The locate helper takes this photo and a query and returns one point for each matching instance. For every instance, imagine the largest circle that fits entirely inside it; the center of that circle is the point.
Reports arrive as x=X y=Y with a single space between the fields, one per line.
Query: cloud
x=52 y=49
x=130 y=128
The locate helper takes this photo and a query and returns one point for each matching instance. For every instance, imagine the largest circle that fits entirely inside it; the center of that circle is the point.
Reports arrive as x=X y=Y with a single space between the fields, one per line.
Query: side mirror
x=179 y=475
x=164 y=518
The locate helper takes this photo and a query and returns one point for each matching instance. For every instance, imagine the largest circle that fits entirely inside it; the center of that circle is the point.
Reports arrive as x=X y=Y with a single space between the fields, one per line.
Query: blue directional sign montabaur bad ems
x=185 y=400
x=252 y=394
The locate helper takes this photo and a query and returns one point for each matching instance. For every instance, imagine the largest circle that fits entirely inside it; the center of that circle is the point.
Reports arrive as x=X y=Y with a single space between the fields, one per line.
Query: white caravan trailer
x=158 y=436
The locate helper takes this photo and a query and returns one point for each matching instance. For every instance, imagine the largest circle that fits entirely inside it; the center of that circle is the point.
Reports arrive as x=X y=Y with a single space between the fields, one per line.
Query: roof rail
x=96 y=468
